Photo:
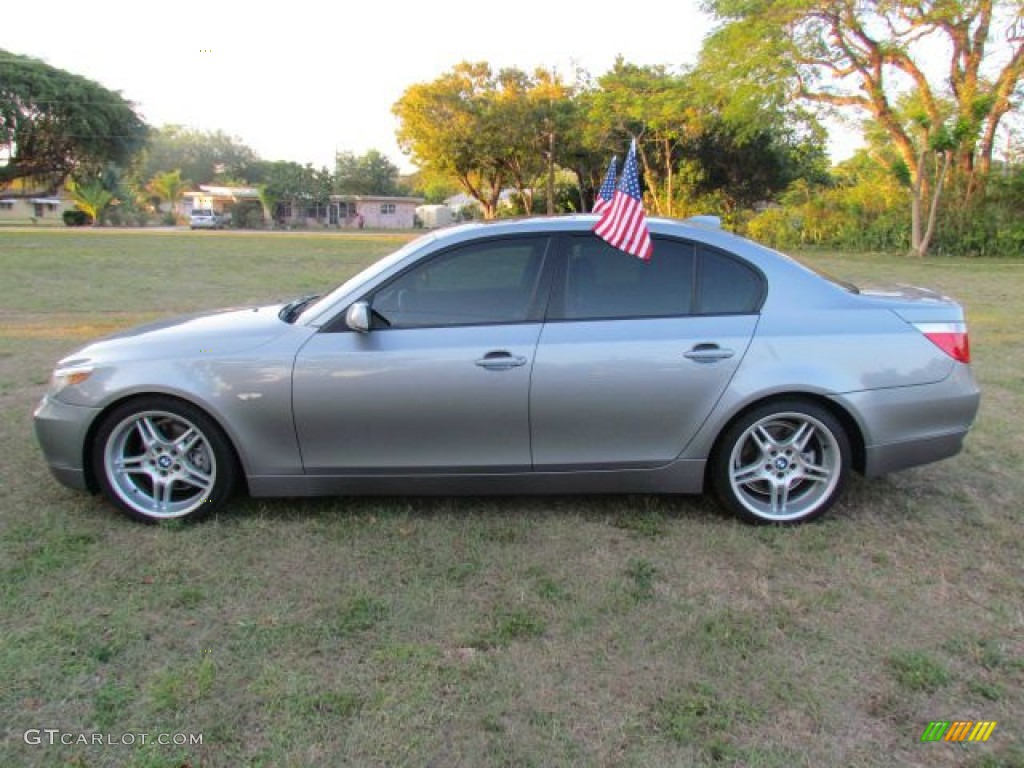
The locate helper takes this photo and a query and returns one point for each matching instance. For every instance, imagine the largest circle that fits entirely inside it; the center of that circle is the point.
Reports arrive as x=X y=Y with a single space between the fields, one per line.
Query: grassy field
x=561 y=631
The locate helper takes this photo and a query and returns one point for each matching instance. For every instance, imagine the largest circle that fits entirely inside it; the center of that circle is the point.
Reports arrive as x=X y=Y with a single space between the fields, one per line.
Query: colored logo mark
x=958 y=730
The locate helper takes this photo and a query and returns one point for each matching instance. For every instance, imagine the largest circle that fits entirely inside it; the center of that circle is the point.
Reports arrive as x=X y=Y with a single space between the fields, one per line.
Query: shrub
x=76 y=218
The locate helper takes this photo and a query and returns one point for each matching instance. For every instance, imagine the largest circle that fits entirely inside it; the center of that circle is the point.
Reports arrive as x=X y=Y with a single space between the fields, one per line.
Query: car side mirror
x=357 y=317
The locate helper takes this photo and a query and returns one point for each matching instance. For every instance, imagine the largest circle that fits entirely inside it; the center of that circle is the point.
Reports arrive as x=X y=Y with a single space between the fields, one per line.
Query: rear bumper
x=882 y=459
x=61 y=430
x=909 y=426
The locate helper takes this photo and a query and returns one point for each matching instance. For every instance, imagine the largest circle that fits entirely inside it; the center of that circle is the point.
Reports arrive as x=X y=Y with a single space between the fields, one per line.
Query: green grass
x=551 y=631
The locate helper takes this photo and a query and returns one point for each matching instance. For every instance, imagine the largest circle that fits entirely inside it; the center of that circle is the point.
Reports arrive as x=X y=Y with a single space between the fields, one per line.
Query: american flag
x=623 y=223
x=604 y=195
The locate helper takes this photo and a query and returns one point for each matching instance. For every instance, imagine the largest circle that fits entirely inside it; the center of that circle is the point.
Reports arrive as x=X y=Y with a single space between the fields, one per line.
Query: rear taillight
x=951 y=338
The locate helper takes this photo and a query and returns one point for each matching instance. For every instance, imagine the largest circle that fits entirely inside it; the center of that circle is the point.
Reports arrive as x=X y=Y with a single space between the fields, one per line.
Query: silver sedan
x=525 y=357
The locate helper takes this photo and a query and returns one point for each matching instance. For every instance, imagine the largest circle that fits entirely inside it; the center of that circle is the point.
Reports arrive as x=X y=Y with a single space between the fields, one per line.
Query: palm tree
x=91 y=198
x=167 y=187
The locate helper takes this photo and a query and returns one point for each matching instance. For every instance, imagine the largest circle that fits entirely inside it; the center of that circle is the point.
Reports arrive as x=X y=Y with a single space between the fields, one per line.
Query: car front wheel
x=163 y=459
x=782 y=462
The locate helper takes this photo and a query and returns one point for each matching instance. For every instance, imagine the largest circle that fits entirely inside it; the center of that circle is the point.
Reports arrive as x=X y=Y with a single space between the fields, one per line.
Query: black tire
x=784 y=462
x=158 y=458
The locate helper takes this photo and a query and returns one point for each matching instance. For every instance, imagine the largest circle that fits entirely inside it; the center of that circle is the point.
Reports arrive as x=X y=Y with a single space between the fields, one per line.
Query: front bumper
x=61 y=430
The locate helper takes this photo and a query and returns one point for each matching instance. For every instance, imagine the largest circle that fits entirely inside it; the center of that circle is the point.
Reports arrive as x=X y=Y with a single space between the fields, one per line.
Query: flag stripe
x=623 y=223
x=607 y=190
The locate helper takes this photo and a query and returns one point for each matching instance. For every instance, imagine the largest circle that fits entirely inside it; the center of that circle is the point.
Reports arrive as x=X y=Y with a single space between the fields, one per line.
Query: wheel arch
x=91 y=480
x=858 y=457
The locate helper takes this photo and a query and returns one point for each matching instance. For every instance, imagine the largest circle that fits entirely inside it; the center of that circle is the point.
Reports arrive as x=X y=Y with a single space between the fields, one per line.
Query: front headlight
x=68 y=377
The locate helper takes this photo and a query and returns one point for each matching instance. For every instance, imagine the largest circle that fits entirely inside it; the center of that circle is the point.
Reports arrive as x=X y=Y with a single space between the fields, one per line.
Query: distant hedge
x=77 y=218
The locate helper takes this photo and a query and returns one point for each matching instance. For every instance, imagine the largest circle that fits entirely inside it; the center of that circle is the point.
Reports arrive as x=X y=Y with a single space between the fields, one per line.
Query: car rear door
x=441 y=382
x=635 y=354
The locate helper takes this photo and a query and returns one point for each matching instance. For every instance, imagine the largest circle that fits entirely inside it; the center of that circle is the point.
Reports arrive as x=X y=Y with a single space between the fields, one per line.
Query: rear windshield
x=202 y=212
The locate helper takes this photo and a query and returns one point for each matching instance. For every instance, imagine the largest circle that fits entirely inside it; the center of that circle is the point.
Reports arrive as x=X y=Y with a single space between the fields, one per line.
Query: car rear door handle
x=500 y=360
x=708 y=353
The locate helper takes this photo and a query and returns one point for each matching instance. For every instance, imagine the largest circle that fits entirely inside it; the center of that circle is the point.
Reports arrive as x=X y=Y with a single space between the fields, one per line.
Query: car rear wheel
x=782 y=462
x=163 y=459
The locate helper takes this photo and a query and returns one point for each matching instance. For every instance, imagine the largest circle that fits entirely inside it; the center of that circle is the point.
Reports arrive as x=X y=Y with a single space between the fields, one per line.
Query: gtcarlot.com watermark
x=54 y=736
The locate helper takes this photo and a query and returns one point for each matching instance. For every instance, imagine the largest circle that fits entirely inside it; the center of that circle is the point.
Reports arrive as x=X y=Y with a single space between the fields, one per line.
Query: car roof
x=698 y=229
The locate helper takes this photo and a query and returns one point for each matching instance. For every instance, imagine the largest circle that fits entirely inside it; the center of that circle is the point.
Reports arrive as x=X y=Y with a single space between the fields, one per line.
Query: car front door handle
x=708 y=353
x=500 y=360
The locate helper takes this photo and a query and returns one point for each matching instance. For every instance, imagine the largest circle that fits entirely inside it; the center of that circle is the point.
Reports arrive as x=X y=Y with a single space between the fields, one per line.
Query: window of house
x=387 y=209
x=479 y=283
x=6 y=205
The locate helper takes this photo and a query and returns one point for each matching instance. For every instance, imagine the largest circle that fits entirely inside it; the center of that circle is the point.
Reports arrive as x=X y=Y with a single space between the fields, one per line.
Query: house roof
x=231 y=193
x=378 y=199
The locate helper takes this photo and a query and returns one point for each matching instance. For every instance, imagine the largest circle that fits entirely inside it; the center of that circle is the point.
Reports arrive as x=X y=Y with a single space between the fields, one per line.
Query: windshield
x=367 y=274
x=202 y=212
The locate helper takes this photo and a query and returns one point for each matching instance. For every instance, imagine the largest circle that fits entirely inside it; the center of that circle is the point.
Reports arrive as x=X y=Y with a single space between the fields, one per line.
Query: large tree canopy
x=54 y=123
x=369 y=174
x=486 y=130
x=875 y=58
x=202 y=157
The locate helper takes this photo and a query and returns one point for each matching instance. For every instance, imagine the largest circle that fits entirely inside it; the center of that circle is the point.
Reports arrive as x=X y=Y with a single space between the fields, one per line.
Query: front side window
x=602 y=282
x=481 y=283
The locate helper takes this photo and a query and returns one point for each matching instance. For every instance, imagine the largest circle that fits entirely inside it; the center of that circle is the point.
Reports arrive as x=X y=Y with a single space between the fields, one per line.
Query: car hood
x=218 y=333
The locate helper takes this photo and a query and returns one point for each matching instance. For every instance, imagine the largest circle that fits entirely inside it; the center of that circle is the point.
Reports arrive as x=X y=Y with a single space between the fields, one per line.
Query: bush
x=76 y=218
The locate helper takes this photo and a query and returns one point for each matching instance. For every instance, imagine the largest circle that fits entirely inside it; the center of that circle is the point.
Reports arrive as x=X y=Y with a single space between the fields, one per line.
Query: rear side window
x=602 y=282
x=726 y=285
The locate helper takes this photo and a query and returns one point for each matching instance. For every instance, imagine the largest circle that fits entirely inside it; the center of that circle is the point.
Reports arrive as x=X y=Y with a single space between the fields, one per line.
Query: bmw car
x=525 y=356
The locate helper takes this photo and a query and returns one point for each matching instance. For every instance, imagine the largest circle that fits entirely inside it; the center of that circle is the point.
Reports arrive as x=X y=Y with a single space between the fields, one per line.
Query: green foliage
x=76 y=218
x=991 y=224
x=640 y=574
x=53 y=123
x=285 y=181
x=247 y=214
x=863 y=208
x=869 y=58
x=91 y=198
x=917 y=671
x=369 y=174
x=201 y=157
x=167 y=187
x=486 y=130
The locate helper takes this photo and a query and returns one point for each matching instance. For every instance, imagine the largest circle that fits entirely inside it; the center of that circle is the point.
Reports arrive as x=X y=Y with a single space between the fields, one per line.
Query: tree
x=449 y=128
x=288 y=182
x=872 y=58
x=92 y=198
x=369 y=174
x=54 y=123
x=693 y=152
x=648 y=104
x=167 y=187
x=202 y=157
x=486 y=130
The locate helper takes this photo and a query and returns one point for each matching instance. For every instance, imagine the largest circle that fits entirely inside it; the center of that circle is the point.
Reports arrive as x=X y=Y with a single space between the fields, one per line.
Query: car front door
x=635 y=354
x=441 y=381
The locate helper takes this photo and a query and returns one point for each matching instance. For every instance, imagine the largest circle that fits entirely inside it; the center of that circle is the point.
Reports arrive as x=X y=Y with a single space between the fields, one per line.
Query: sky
x=300 y=82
